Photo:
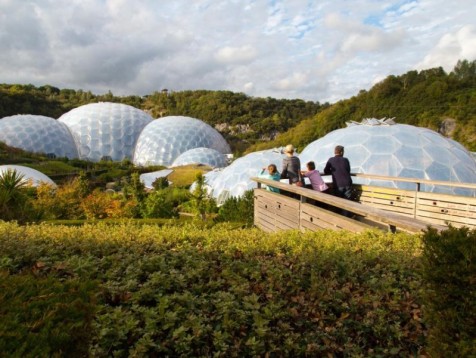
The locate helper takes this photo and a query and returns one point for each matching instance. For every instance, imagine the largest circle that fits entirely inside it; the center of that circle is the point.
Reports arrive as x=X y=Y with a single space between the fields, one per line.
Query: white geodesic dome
x=205 y=156
x=31 y=176
x=38 y=134
x=382 y=147
x=234 y=180
x=164 y=139
x=106 y=130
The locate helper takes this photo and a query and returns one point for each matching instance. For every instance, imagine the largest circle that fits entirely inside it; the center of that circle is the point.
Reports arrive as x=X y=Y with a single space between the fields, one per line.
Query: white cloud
x=451 y=48
x=321 y=51
x=236 y=55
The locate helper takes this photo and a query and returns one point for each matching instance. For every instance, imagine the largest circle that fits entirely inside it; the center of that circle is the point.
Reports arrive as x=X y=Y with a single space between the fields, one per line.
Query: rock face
x=447 y=127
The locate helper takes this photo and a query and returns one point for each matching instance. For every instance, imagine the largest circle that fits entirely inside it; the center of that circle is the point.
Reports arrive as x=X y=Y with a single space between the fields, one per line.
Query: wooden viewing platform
x=386 y=208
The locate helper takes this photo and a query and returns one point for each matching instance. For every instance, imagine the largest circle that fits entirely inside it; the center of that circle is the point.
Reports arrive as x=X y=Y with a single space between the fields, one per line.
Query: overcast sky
x=314 y=50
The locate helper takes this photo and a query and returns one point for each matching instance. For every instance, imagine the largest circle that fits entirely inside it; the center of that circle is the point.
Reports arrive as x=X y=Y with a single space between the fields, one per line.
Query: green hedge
x=449 y=272
x=220 y=291
x=45 y=316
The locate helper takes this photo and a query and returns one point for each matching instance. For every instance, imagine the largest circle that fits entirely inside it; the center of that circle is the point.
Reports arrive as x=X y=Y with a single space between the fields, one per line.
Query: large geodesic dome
x=234 y=180
x=205 y=156
x=38 y=134
x=30 y=175
x=382 y=147
x=106 y=130
x=164 y=139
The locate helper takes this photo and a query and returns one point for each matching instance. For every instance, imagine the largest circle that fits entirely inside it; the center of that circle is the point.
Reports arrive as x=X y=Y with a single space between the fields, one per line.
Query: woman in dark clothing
x=291 y=166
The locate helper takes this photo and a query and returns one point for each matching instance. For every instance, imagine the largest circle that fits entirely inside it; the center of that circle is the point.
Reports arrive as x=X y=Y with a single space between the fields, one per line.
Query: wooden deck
x=386 y=208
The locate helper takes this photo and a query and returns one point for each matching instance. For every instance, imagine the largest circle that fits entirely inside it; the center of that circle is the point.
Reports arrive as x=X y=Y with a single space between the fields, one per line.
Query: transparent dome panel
x=102 y=122
x=38 y=134
x=164 y=139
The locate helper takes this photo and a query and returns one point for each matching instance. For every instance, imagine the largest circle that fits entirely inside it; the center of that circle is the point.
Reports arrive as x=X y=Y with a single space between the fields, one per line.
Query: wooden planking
x=312 y=216
x=274 y=211
x=408 y=211
x=444 y=208
x=374 y=216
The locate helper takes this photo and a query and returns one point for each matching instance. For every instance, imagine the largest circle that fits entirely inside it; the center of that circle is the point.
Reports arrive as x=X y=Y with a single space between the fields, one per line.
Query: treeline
x=445 y=102
x=242 y=119
x=431 y=98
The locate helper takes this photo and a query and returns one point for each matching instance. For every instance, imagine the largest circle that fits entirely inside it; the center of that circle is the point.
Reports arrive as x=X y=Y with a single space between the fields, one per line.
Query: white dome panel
x=106 y=129
x=30 y=175
x=397 y=150
x=38 y=134
x=206 y=156
x=164 y=139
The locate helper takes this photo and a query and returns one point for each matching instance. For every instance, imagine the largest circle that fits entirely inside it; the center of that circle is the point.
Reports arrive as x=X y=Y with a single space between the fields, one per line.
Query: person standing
x=339 y=167
x=291 y=166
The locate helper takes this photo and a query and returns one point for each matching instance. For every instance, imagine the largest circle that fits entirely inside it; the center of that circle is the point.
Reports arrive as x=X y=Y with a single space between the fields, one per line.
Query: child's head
x=272 y=169
x=311 y=166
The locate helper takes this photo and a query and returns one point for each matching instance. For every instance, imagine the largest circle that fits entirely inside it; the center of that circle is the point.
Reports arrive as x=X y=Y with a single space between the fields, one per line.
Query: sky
x=321 y=51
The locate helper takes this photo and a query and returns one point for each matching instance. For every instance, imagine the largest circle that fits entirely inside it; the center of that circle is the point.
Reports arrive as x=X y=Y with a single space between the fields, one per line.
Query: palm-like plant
x=12 y=194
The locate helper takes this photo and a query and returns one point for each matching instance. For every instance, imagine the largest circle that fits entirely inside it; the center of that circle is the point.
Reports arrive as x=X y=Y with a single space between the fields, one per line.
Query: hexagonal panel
x=98 y=128
x=38 y=134
x=164 y=139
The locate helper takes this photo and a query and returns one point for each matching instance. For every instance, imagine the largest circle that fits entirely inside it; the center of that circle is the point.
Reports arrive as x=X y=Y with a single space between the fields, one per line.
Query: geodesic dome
x=149 y=178
x=32 y=176
x=234 y=180
x=382 y=147
x=164 y=139
x=38 y=134
x=205 y=156
x=106 y=130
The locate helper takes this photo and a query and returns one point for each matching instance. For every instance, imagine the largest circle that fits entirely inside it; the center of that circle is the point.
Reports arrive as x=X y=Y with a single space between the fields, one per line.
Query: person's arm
x=347 y=165
x=284 y=171
x=327 y=168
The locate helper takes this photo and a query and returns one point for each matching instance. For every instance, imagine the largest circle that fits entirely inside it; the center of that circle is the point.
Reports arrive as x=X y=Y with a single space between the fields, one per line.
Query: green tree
x=13 y=196
x=200 y=198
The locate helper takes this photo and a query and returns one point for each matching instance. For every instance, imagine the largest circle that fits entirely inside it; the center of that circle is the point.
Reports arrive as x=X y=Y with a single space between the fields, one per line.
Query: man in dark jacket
x=339 y=168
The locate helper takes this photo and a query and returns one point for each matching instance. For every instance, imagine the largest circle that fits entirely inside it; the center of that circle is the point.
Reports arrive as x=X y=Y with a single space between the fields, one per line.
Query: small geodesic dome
x=205 y=156
x=234 y=180
x=38 y=134
x=31 y=176
x=149 y=178
x=164 y=139
x=382 y=147
x=106 y=130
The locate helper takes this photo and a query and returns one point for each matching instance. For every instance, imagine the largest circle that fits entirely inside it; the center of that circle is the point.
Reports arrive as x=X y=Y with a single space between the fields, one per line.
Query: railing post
x=417 y=190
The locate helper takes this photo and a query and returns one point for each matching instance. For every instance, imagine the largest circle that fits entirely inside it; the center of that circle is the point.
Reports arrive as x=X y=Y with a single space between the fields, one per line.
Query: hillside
x=431 y=98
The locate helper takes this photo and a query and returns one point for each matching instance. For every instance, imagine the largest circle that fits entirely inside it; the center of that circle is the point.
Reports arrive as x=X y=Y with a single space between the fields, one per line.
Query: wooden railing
x=387 y=208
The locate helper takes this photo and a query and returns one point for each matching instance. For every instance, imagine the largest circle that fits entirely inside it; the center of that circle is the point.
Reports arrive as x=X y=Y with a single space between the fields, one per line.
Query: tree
x=200 y=199
x=13 y=195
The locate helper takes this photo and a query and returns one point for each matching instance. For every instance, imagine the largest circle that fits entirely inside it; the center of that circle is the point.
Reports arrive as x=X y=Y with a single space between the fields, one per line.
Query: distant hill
x=431 y=98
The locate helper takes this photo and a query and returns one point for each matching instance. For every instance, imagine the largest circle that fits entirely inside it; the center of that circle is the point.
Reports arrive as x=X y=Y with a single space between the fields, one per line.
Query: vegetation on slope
x=429 y=98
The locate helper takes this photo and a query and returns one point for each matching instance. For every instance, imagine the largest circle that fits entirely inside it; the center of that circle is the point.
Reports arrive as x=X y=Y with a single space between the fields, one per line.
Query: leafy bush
x=157 y=205
x=45 y=316
x=449 y=272
x=221 y=291
x=238 y=209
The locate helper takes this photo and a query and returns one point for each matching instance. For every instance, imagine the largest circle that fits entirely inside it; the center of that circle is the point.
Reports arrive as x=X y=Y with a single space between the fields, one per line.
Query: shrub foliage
x=221 y=291
x=449 y=271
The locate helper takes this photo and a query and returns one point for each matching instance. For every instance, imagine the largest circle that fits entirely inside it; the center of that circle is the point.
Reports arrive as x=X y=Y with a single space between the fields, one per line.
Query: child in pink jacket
x=314 y=177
